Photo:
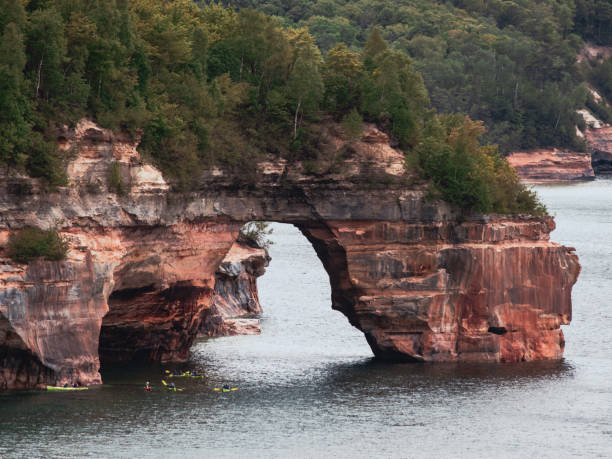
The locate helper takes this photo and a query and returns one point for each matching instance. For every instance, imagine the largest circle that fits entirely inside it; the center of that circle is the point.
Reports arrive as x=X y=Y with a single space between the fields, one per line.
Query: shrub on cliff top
x=256 y=234
x=470 y=175
x=115 y=183
x=31 y=243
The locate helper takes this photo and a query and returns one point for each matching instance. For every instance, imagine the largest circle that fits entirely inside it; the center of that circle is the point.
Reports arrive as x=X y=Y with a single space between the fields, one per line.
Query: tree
x=342 y=73
x=352 y=125
x=305 y=89
x=12 y=12
x=14 y=106
x=395 y=91
x=374 y=46
x=46 y=50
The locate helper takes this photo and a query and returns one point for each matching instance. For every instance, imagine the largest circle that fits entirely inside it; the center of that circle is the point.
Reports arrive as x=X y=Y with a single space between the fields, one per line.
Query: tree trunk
x=295 y=119
x=39 y=72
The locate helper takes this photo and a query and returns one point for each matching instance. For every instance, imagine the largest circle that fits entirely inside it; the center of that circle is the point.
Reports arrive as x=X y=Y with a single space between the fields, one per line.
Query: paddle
x=169 y=388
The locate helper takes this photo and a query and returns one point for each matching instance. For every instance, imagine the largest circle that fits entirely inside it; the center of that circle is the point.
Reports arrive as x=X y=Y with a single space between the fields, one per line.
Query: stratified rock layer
x=498 y=292
x=552 y=165
x=421 y=280
x=235 y=299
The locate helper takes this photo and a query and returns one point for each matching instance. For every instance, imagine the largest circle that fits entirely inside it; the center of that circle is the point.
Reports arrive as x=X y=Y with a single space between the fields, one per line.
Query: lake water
x=308 y=386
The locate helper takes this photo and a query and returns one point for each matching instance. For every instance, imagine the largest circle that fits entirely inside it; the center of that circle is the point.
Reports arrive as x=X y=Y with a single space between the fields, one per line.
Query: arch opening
x=151 y=319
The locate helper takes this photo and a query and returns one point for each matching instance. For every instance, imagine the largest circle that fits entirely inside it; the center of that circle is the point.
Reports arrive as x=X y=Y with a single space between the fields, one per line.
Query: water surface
x=308 y=386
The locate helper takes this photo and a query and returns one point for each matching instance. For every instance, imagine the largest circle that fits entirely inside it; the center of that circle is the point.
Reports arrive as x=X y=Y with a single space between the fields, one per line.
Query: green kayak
x=61 y=389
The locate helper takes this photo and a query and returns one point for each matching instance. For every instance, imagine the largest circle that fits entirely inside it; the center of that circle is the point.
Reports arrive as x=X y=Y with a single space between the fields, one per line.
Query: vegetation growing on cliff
x=256 y=234
x=31 y=243
x=209 y=85
x=115 y=183
x=469 y=174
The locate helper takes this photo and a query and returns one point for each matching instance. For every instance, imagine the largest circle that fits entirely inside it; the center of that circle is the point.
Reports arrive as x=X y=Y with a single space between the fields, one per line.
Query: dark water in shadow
x=308 y=386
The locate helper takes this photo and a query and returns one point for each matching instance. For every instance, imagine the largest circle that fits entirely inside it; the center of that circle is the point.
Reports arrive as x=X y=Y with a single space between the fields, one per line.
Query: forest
x=207 y=84
x=511 y=64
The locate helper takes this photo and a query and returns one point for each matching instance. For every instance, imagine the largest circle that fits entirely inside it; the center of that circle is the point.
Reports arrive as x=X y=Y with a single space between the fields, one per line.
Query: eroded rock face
x=550 y=165
x=422 y=281
x=600 y=144
x=498 y=292
x=39 y=344
x=235 y=300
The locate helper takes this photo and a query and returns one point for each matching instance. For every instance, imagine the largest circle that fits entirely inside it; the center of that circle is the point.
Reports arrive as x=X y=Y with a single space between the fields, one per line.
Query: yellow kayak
x=183 y=375
x=62 y=389
x=222 y=389
x=172 y=389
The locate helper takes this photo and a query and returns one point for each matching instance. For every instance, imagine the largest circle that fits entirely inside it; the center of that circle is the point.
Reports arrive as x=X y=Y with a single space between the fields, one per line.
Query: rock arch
x=422 y=281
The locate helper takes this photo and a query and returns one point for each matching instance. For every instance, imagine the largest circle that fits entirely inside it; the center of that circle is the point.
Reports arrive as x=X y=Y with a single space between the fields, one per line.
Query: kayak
x=185 y=376
x=221 y=389
x=61 y=389
x=172 y=389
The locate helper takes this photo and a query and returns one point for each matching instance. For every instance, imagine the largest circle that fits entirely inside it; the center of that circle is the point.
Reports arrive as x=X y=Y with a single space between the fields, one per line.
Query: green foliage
x=44 y=162
x=115 y=183
x=509 y=64
x=256 y=234
x=203 y=84
x=31 y=243
x=469 y=175
x=352 y=125
x=600 y=110
x=593 y=20
x=342 y=74
x=14 y=105
x=601 y=76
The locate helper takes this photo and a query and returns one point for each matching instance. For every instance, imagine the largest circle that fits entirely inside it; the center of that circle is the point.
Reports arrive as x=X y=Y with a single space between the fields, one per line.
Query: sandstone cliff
x=235 y=300
x=422 y=281
x=600 y=144
x=551 y=165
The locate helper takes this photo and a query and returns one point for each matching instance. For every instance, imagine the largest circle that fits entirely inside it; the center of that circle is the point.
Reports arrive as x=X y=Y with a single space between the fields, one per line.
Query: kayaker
x=76 y=384
x=226 y=387
x=65 y=384
x=148 y=387
x=172 y=386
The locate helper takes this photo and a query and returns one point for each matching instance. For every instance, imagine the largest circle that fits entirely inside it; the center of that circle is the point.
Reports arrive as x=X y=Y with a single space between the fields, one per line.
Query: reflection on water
x=309 y=387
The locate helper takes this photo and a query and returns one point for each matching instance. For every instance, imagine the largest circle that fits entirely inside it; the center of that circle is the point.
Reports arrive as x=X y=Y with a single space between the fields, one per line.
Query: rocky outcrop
x=421 y=280
x=550 y=165
x=600 y=145
x=39 y=343
x=486 y=290
x=235 y=301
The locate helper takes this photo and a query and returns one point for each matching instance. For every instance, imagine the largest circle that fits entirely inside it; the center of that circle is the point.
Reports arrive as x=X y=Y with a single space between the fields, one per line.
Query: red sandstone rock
x=141 y=270
x=499 y=292
x=235 y=295
x=551 y=165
